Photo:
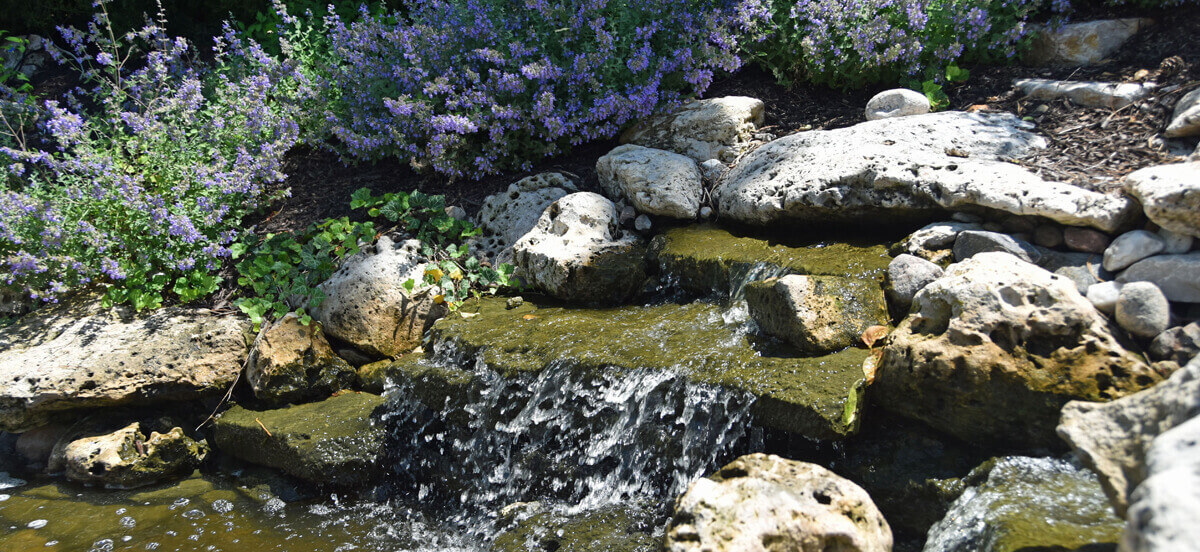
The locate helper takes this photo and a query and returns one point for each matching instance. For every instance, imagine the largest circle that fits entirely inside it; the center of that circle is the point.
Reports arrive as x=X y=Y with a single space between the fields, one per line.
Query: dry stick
x=260 y=424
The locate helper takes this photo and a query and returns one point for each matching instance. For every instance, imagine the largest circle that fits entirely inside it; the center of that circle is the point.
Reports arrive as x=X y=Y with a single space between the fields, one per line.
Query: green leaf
x=954 y=73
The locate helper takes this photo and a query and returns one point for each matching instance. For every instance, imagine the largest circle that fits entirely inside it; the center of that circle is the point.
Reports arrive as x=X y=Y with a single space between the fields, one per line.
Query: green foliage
x=13 y=46
x=934 y=91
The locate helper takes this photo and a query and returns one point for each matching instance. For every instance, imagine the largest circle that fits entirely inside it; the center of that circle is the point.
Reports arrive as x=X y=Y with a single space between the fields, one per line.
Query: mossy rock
x=332 y=442
x=610 y=529
x=819 y=397
x=706 y=258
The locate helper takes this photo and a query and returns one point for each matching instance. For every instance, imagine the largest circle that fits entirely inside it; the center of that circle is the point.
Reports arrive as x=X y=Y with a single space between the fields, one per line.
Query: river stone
x=1048 y=235
x=1142 y=310
x=1179 y=344
x=1085 y=240
x=654 y=181
x=1185 y=121
x=506 y=217
x=1170 y=195
x=1078 y=44
x=1130 y=248
x=765 y=503
x=1174 y=243
x=335 y=442
x=1164 y=508
x=972 y=242
x=1178 y=276
x=816 y=314
x=77 y=355
x=1025 y=504
x=715 y=128
x=36 y=445
x=1109 y=95
x=291 y=362
x=898 y=102
x=1113 y=438
x=1104 y=296
x=367 y=306
x=906 y=169
x=908 y=274
x=992 y=350
x=577 y=252
x=126 y=458
x=1082 y=268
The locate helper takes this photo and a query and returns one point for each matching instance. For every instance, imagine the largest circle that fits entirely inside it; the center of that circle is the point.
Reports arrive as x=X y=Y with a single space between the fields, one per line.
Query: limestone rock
x=506 y=217
x=78 y=356
x=907 y=275
x=1109 y=95
x=577 y=252
x=126 y=458
x=716 y=128
x=1130 y=248
x=1178 y=276
x=1104 y=296
x=1142 y=309
x=763 y=503
x=1164 y=508
x=1185 y=121
x=291 y=362
x=817 y=314
x=1113 y=438
x=1179 y=344
x=972 y=242
x=654 y=181
x=367 y=306
x=1084 y=43
x=992 y=350
x=1170 y=195
x=904 y=169
x=899 y=102
x=334 y=442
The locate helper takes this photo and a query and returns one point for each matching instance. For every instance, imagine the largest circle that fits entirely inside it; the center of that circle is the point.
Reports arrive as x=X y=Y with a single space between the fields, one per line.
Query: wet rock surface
x=817 y=314
x=127 y=458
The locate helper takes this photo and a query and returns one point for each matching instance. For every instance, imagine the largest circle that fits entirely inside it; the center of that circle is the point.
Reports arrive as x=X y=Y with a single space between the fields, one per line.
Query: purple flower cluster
x=471 y=87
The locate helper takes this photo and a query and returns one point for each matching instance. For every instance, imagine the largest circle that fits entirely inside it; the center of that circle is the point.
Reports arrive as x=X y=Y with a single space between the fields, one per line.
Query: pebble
x=514 y=302
x=1143 y=310
x=712 y=169
x=1085 y=239
x=1048 y=235
x=706 y=212
x=1130 y=248
x=1104 y=296
x=642 y=223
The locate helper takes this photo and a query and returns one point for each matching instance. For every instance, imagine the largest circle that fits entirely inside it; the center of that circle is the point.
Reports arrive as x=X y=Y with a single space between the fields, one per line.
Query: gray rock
x=127 y=458
x=1143 y=310
x=971 y=243
x=712 y=170
x=1185 y=121
x=506 y=217
x=760 y=502
x=1170 y=195
x=902 y=169
x=706 y=212
x=628 y=216
x=931 y=240
x=1104 y=296
x=642 y=224
x=908 y=274
x=1178 y=276
x=654 y=181
x=898 y=102
x=1048 y=235
x=817 y=314
x=456 y=212
x=1084 y=43
x=1109 y=95
x=291 y=362
x=1174 y=243
x=1082 y=268
x=577 y=252
x=1113 y=438
x=1164 y=508
x=1179 y=344
x=716 y=128
x=1130 y=248
x=1085 y=240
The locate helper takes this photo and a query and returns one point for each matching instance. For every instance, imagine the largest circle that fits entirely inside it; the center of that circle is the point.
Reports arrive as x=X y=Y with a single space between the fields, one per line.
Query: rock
x=1113 y=438
x=628 y=216
x=908 y=274
x=456 y=212
x=906 y=169
x=1082 y=268
x=1130 y=248
x=1104 y=296
x=367 y=306
x=1142 y=310
x=654 y=181
x=291 y=362
x=13 y=304
x=762 y=503
x=1026 y=504
x=612 y=528
x=1185 y=121
x=931 y=240
x=712 y=170
x=1048 y=235
x=993 y=349
x=1170 y=195
x=716 y=128
x=77 y=356
x=506 y=217
x=334 y=442
x=642 y=224
x=126 y=458
x=1085 y=240
x=706 y=212
x=34 y=446
x=578 y=253
x=817 y=314
x=972 y=242
x=1085 y=43
x=1178 y=276
x=1174 y=243
x=1163 y=510
x=1179 y=344
x=898 y=102
x=1018 y=225
x=1109 y=95
x=514 y=302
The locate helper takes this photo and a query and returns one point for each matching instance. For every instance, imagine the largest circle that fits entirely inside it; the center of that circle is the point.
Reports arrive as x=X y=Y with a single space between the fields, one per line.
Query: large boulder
x=1164 y=508
x=78 y=356
x=577 y=252
x=1178 y=276
x=1170 y=195
x=1084 y=43
x=367 y=305
x=292 y=362
x=716 y=128
x=993 y=349
x=816 y=314
x=905 y=169
x=654 y=181
x=127 y=458
x=1113 y=438
x=506 y=217
x=767 y=503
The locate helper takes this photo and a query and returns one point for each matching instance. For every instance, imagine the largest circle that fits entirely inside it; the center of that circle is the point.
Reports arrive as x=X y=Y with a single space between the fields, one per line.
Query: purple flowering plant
x=138 y=181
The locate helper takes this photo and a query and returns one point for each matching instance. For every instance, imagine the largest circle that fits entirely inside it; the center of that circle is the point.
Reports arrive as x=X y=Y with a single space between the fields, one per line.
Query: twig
x=260 y=424
x=228 y=394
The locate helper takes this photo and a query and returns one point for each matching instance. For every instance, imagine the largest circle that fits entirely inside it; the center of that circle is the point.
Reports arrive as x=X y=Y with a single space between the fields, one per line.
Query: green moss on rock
x=613 y=529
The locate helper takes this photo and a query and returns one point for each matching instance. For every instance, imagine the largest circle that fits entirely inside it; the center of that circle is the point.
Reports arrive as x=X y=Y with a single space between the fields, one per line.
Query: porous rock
x=1164 y=508
x=127 y=458
x=292 y=362
x=817 y=314
x=1170 y=195
x=506 y=217
x=898 y=102
x=654 y=181
x=715 y=128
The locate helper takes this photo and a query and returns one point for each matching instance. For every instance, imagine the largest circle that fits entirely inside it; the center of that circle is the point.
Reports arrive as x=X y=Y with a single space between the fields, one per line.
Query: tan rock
x=126 y=458
x=1084 y=43
x=291 y=362
x=817 y=314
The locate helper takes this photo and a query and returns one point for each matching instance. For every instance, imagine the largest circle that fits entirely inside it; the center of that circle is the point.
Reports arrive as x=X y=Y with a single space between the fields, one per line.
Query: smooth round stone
x=898 y=102
x=1104 y=296
x=1048 y=235
x=1174 y=243
x=1143 y=310
x=971 y=242
x=706 y=212
x=907 y=275
x=642 y=223
x=1130 y=248
x=1085 y=239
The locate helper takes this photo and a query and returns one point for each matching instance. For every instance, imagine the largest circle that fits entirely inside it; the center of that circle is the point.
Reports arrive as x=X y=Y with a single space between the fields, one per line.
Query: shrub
x=140 y=180
x=472 y=87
